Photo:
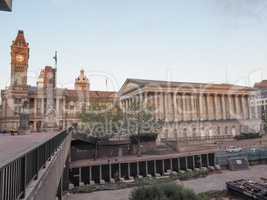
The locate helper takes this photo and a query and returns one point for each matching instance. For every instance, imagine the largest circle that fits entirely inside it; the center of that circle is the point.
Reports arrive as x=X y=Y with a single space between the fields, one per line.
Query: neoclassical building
x=45 y=105
x=195 y=109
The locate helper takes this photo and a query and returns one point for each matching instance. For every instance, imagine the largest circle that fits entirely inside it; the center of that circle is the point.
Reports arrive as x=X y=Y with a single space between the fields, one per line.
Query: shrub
x=163 y=192
x=244 y=136
x=147 y=193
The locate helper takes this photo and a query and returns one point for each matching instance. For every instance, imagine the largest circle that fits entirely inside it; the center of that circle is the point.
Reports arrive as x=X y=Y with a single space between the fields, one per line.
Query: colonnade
x=176 y=106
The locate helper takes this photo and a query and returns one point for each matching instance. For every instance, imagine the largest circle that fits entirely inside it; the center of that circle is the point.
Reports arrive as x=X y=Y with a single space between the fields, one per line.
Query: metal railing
x=17 y=174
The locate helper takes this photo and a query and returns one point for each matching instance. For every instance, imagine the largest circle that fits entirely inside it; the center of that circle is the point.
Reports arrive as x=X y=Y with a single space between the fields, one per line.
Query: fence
x=16 y=175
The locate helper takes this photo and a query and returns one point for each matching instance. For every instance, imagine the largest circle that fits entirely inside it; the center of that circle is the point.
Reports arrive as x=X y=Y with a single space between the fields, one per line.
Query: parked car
x=233 y=149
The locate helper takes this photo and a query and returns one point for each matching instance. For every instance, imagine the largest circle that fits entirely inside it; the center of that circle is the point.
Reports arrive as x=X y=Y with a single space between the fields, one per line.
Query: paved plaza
x=212 y=182
x=13 y=146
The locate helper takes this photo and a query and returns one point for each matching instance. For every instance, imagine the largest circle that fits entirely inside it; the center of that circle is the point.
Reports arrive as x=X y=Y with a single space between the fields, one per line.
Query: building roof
x=140 y=83
x=261 y=85
x=20 y=40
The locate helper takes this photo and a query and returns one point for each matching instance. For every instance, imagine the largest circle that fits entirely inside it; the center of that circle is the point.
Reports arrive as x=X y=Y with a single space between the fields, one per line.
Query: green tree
x=102 y=120
x=140 y=121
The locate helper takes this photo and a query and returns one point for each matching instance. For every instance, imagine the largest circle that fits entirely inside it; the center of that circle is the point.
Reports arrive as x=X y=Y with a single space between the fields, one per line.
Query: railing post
x=23 y=176
x=1 y=185
x=37 y=163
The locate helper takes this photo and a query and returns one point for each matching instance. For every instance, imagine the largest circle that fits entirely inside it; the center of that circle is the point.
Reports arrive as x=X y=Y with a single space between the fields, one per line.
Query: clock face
x=19 y=58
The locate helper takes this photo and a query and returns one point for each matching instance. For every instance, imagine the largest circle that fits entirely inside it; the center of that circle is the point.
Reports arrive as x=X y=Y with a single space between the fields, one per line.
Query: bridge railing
x=16 y=174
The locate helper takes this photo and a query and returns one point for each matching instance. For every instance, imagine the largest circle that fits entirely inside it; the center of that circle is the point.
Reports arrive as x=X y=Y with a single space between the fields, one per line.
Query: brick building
x=44 y=103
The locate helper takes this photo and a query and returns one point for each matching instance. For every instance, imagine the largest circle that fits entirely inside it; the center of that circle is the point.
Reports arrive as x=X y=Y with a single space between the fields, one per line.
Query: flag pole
x=55 y=66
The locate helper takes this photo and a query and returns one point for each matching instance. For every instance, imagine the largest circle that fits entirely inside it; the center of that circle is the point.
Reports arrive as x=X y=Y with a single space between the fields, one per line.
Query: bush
x=244 y=136
x=163 y=192
x=144 y=137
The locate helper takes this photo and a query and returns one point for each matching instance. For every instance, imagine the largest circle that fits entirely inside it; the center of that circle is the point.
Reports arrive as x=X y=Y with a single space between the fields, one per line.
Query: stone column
x=146 y=168
x=184 y=110
x=162 y=111
x=248 y=107
x=209 y=107
x=179 y=108
x=163 y=167
x=178 y=164
x=109 y=172
x=119 y=170
x=201 y=107
x=175 y=107
x=171 y=165
x=224 y=112
x=206 y=110
x=216 y=106
x=155 y=167
x=137 y=169
x=170 y=107
x=237 y=103
x=200 y=161
x=244 y=108
x=186 y=163
x=192 y=110
x=129 y=170
x=145 y=100
x=166 y=107
x=90 y=174
x=231 y=107
x=156 y=107
x=100 y=173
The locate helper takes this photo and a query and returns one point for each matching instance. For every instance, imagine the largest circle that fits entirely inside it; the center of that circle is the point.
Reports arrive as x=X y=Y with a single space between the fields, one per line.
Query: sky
x=212 y=41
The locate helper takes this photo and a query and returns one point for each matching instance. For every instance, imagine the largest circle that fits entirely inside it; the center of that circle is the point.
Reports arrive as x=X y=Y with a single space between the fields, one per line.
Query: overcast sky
x=181 y=40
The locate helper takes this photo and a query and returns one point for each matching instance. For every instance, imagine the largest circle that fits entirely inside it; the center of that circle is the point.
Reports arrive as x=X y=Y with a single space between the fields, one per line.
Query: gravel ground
x=209 y=183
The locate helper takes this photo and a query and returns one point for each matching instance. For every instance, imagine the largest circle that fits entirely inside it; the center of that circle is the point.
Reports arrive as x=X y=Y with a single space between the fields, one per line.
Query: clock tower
x=19 y=61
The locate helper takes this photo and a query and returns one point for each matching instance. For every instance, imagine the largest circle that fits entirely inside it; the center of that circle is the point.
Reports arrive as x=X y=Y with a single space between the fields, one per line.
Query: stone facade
x=195 y=109
x=261 y=101
x=44 y=103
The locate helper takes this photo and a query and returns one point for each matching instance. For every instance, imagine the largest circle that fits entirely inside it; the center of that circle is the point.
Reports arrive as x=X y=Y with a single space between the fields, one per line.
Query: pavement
x=209 y=183
x=12 y=147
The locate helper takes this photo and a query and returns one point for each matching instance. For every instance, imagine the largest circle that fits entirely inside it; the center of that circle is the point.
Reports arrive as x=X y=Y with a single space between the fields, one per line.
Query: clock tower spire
x=19 y=61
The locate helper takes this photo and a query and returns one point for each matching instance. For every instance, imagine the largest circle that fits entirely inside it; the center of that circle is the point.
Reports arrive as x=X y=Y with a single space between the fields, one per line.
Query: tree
x=140 y=121
x=102 y=120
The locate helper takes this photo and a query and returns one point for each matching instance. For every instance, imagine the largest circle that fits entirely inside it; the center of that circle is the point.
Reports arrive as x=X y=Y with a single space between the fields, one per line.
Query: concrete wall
x=45 y=187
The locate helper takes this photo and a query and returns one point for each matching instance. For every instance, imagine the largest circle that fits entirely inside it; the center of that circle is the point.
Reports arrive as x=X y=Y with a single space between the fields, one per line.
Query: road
x=211 y=182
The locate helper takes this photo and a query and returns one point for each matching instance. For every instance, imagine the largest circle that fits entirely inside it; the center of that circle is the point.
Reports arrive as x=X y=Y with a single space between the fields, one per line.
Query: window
x=185 y=132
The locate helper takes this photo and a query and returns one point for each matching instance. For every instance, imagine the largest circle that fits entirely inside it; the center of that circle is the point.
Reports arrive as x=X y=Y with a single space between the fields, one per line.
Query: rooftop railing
x=16 y=174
